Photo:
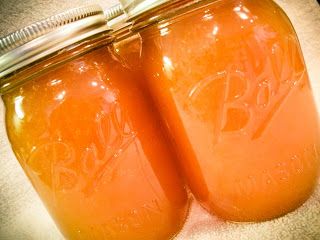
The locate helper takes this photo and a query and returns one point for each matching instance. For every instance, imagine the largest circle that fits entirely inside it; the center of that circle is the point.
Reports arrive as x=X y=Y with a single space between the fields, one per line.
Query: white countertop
x=23 y=216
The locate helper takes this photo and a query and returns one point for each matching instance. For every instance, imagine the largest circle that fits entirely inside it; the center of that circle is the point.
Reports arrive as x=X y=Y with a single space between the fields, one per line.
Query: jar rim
x=50 y=35
x=166 y=14
x=135 y=8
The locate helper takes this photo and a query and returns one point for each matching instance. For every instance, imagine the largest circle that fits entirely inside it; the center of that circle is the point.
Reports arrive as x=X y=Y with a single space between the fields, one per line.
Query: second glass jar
x=231 y=85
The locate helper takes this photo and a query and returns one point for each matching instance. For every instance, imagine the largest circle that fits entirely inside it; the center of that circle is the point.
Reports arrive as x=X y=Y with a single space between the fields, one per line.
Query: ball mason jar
x=85 y=133
x=229 y=80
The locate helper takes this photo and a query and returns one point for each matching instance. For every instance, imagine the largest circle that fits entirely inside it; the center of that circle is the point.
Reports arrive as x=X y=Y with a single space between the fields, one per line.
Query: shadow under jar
x=229 y=79
x=86 y=134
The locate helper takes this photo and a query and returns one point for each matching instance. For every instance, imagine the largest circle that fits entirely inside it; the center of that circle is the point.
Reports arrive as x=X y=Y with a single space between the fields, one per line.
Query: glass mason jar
x=85 y=132
x=229 y=80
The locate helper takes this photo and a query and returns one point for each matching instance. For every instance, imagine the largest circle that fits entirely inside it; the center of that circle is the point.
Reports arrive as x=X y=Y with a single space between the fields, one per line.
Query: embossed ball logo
x=80 y=155
x=250 y=91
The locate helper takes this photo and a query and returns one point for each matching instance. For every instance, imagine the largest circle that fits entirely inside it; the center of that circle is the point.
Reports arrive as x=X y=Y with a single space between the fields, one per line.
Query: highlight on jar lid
x=115 y=16
x=48 y=36
x=133 y=8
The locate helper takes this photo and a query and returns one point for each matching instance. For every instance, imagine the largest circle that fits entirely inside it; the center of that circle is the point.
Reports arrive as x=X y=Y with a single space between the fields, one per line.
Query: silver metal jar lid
x=133 y=8
x=116 y=17
x=114 y=12
x=50 y=35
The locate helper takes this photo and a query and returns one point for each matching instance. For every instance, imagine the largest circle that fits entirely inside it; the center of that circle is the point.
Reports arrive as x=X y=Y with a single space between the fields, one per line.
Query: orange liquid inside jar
x=229 y=80
x=87 y=137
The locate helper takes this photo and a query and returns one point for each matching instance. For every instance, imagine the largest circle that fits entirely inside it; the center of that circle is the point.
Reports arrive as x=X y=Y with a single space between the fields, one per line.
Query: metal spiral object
x=38 y=29
x=113 y=12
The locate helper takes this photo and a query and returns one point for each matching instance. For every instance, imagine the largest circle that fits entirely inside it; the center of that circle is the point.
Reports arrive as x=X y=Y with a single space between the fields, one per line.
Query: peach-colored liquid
x=230 y=82
x=87 y=137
